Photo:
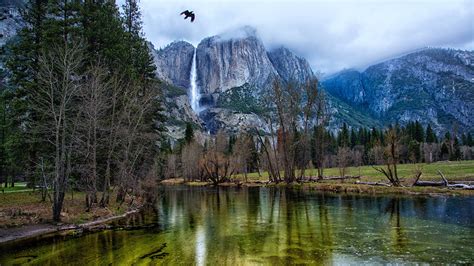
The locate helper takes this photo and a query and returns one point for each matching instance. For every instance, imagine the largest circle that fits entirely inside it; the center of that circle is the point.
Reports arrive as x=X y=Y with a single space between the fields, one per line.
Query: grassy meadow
x=454 y=171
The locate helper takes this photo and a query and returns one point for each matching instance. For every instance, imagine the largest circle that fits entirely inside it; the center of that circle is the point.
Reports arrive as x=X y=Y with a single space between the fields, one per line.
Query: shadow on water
x=270 y=225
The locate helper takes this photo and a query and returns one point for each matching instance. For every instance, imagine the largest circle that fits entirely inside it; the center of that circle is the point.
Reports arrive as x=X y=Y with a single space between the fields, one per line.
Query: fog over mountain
x=331 y=35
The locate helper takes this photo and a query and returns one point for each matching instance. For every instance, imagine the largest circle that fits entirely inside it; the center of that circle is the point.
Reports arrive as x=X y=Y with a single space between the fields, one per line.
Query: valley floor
x=455 y=172
x=22 y=214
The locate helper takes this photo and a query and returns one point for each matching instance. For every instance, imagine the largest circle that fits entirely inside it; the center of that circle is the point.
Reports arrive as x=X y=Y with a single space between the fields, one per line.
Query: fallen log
x=373 y=183
x=443 y=183
x=462 y=186
x=429 y=184
x=466 y=182
x=340 y=177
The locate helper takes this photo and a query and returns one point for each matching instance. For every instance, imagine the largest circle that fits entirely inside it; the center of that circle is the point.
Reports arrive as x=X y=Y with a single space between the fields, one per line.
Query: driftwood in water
x=373 y=183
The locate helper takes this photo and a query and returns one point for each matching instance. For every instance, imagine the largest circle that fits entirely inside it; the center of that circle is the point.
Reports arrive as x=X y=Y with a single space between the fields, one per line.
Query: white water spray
x=194 y=90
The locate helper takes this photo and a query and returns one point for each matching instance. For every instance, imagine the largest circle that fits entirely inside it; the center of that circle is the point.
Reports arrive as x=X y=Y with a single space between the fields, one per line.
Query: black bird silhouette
x=188 y=14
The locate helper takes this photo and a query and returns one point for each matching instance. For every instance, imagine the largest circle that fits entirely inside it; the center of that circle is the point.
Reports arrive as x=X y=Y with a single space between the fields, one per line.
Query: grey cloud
x=332 y=35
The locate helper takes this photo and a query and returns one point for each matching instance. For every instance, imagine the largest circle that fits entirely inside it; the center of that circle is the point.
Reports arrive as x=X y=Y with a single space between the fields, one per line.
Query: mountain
x=290 y=66
x=231 y=60
x=233 y=69
x=173 y=63
x=433 y=86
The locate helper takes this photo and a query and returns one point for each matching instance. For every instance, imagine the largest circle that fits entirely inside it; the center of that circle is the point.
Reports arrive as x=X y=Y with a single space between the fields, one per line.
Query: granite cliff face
x=233 y=69
x=173 y=63
x=230 y=60
x=433 y=86
x=10 y=19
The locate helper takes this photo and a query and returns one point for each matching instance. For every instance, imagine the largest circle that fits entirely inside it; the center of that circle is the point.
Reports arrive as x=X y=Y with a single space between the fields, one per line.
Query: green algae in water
x=231 y=226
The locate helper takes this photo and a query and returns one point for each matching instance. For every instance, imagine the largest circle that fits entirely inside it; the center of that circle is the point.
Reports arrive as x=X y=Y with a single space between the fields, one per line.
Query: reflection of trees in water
x=272 y=225
x=399 y=237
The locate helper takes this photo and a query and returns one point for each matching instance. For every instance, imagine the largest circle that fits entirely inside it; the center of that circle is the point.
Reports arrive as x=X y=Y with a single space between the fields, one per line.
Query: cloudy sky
x=330 y=34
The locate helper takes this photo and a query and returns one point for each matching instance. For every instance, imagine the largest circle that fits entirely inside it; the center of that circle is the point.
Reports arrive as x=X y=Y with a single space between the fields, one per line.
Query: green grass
x=19 y=187
x=462 y=170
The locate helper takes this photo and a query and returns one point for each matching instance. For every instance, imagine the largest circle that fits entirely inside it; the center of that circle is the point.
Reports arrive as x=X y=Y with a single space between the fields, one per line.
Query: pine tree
x=430 y=135
x=456 y=152
x=414 y=152
x=23 y=64
x=444 y=152
x=419 y=133
x=469 y=139
x=139 y=57
x=103 y=34
x=344 y=138
x=354 y=140
x=189 y=133
x=62 y=23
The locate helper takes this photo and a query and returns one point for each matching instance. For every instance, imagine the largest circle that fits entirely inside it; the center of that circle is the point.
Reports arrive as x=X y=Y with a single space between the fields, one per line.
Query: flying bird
x=188 y=14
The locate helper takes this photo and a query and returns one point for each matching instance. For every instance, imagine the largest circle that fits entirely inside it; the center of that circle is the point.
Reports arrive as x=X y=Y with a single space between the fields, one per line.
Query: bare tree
x=309 y=113
x=391 y=155
x=190 y=156
x=270 y=157
x=111 y=130
x=343 y=160
x=59 y=84
x=95 y=103
x=320 y=140
x=137 y=138
x=376 y=154
x=241 y=154
x=171 y=169
x=216 y=162
x=297 y=108
x=357 y=154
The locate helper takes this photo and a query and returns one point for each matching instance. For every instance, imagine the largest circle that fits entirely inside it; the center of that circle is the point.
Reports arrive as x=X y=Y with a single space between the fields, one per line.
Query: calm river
x=232 y=226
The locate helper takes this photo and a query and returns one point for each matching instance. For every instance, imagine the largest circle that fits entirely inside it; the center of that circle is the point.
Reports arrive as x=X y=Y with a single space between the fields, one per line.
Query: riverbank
x=26 y=232
x=24 y=216
x=337 y=186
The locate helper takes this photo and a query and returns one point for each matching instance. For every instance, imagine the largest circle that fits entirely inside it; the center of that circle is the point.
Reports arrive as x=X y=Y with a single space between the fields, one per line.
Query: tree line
x=81 y=104
x=298 y=139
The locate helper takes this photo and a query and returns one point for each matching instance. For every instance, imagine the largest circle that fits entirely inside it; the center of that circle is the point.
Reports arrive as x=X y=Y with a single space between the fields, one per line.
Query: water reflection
x=273 y=226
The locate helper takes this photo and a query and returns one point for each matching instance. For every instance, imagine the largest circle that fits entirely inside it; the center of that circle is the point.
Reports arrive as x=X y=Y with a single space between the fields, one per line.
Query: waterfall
x=194 y=90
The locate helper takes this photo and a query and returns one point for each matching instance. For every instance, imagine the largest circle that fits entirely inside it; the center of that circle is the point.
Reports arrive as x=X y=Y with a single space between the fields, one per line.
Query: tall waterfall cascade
x=194 y=93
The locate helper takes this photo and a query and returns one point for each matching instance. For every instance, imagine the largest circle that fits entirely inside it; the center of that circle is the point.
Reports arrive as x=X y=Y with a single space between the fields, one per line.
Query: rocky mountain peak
x=432 y=85
x=290 y=66
x=232 y=59
x=173 y=63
